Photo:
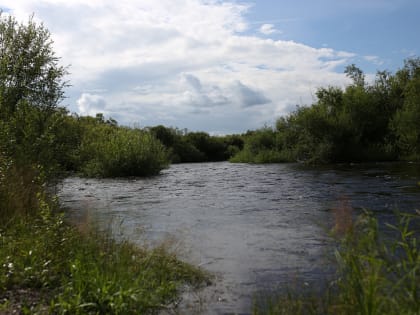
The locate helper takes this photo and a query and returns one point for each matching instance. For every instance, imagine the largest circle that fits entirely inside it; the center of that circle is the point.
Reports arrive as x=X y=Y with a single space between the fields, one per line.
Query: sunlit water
x=256 y=227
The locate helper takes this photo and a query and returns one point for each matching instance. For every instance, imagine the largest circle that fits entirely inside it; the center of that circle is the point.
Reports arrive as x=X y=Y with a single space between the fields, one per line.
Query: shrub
x=109 y=151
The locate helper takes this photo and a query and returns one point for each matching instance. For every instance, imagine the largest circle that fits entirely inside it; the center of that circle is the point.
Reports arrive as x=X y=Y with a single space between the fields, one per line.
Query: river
x=257 y=228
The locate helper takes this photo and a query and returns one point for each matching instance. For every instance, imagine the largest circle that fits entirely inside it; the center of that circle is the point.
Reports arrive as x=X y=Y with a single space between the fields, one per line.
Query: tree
x=31 y=87
x=406 y=122
x=355 y=74
x=29 y=69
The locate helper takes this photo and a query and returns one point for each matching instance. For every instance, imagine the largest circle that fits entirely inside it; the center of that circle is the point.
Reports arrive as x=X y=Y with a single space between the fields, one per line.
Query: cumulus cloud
x=186 y=63
x=247 y=97
x=90 y=104
x=234 y=94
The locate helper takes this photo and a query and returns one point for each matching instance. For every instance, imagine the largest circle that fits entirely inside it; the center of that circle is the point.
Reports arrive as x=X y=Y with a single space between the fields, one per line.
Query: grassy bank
x=378 y=272
x=48 y=266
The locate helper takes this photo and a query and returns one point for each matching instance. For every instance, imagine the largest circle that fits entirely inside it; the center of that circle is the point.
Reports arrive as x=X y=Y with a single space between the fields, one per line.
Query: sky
x=217 y=66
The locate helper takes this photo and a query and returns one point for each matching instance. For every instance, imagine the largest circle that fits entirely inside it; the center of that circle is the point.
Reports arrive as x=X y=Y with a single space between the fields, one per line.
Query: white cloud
x=168 y=61
x=247 y=97
x=268 y=29
x=90 y=104
x=374 y=59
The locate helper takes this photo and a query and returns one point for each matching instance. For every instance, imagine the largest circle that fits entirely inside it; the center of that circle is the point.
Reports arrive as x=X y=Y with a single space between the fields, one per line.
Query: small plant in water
x=378 y=272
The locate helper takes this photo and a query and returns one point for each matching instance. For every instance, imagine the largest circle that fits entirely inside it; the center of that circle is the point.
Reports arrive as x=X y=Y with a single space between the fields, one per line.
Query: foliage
x=380 y=276
x=406 y=121
x=107 y=150
x=85 y=273
x=184 y=146
x=36 y=133
x=20 y=189
x=261 y=146
x=363 y=122
x=31 y=86
x=378 y=272
x=29 y=69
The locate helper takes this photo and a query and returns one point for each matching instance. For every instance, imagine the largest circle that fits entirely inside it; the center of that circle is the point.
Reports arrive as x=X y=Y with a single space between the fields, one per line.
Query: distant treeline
x=99 y=147
x=378 y=121
x=184 y=146
x=363 y=122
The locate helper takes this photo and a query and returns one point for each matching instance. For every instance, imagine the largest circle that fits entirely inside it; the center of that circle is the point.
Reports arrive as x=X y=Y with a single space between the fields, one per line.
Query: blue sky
x=217 y=66
x=387 y=30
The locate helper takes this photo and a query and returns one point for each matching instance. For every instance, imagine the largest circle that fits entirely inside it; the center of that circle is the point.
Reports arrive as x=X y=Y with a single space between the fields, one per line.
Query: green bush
x=110 y=151
x=261 y=146
x=362 y=122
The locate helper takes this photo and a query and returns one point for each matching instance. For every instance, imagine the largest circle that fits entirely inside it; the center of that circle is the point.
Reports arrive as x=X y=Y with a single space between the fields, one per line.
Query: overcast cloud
x=186 y=63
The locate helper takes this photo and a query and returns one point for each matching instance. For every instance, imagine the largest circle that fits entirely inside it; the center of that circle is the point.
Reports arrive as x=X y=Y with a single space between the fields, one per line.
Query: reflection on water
x=257 y=227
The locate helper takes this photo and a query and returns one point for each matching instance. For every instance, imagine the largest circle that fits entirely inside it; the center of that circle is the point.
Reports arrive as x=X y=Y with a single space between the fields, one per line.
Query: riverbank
x=258 y=228
x=49 y=266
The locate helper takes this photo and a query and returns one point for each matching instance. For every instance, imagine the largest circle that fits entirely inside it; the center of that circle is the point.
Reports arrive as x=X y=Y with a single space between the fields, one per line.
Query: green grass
x=89 y=273
x=49 y=266
x=261 y=157
x=378 y=272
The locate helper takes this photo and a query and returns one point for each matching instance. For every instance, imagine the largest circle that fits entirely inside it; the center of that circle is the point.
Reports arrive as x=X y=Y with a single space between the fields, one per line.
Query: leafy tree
x=363 y=122
x=165 y=135
x=29 y=69
x=355 y=74
x=184 y=146
x=261 y=146
x=407 y=119
x=31 y=87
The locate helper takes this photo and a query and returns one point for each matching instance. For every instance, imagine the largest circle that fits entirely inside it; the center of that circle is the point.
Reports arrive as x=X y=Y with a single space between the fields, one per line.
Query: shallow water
x=256 y=227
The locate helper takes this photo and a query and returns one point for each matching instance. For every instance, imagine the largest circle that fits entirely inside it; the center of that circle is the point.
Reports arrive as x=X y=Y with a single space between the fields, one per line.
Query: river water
x=257 y=228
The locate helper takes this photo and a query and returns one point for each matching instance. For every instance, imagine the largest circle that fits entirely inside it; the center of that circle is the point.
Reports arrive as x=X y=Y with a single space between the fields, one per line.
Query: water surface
x=256 y=227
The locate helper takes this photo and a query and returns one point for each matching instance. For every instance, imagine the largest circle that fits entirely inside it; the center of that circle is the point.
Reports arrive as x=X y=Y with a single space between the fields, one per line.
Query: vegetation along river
x=256 y=227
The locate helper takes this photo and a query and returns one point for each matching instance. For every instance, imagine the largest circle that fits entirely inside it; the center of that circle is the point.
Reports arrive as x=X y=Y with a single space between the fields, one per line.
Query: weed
x=74 y=272
x=377 y=273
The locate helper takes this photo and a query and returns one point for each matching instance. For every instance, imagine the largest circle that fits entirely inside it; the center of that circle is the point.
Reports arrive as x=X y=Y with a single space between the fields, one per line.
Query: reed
x=378 y=272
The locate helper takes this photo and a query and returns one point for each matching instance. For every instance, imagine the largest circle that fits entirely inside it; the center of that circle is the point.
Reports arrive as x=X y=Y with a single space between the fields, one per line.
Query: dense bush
x=363 y=122
x=110 y=151
x=261 y=146
x=184 y=146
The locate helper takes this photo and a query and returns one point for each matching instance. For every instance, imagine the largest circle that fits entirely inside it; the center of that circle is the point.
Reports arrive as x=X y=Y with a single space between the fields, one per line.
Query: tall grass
x=378 y=272
x=20 y=190
x=49 y=266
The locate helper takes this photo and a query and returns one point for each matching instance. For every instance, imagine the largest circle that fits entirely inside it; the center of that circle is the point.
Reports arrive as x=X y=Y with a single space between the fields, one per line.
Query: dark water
x=256 y=227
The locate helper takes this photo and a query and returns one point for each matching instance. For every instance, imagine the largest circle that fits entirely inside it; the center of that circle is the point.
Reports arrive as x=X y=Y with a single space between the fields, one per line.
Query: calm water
x=256 y=227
